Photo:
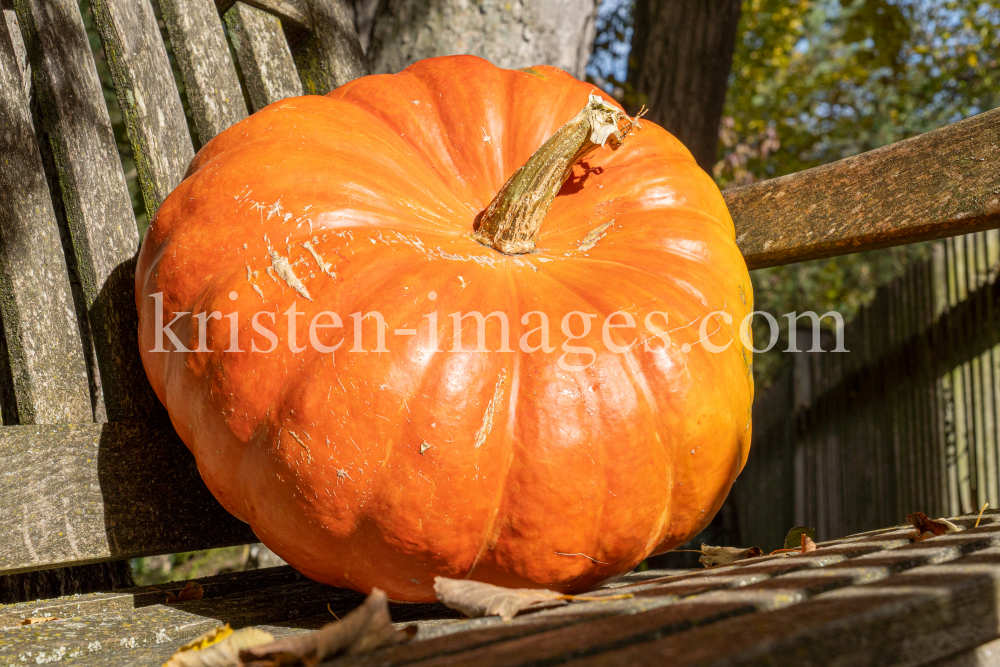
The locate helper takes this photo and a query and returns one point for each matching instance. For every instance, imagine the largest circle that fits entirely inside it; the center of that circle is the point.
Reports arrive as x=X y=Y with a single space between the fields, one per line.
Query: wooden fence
x=907 y=420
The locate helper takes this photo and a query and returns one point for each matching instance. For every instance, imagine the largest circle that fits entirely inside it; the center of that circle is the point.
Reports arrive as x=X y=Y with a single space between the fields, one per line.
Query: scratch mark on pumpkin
x=284 y=269
x=424 y=446
x=308 y=245
x=594 y=560
x=595 y=235
x=276 y=209
x=299 y=440
x=487 y=425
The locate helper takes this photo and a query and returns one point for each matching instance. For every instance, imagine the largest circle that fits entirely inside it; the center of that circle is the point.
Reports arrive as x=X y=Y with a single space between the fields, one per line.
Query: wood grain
x=143 y=596
x=263 y=53
x=331 y=55
x=147 y=95
x=905 y=603
x=293 y=14
x=210 y=79
x=910 y=618
x=95 y=196
x=40 y=332
x=74 y=494
x=104 y=633
x=942 y=183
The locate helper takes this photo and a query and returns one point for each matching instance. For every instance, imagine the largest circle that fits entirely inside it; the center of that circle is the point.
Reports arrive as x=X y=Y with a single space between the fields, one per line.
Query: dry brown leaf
x=193 y=591
x=365 y=629
x=475 y=598
x=807 y=544
x=38 y=619
x=928 y=528
x=218 y=648
x=714 y=556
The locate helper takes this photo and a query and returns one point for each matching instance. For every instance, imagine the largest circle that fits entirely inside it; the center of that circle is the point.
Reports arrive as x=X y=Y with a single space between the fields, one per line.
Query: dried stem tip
x=514 y=216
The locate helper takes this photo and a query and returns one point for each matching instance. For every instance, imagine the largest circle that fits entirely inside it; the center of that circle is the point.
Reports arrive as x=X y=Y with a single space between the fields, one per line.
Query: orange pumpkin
x=560 y=469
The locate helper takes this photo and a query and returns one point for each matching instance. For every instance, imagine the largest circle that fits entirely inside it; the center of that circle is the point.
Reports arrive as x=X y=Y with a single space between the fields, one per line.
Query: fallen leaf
x=38 y=619
x=218 y=648
x=475 y=598
x=193 y=591
x=807 y=544
x=793 y=539
x=714 y=556
x=928 y=528
x=365 y=629
x=213 y=636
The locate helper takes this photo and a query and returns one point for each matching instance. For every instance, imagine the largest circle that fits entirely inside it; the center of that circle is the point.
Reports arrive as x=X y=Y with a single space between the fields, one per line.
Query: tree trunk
x=508 y=33
x=682 y=52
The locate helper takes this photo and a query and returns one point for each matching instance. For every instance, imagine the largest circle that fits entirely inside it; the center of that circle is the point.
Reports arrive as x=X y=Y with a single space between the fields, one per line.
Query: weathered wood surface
x=938 y=184
x=875 y=598
x=94 y=194
x=210 y=79
x=74 y=494
x=127 y=598
x=265 y=59
x=332 y=54
x=41 y=341
x=293 y=14
x=147 y=95
x=987 y=655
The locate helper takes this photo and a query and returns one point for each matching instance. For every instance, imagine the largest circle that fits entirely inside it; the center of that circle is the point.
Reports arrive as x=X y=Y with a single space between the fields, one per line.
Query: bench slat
x=199 y=42
x=332 y=54
x=95 y=196
x=911 y=618
x=293 y=14
x=817 y=606
x=42 y=340
x=147 y=95
x=109 y=491
x=942 y=183
x=264 y=56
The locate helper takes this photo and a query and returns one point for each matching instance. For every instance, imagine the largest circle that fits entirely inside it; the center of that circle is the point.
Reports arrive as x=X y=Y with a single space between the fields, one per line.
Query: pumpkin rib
x=591 y=307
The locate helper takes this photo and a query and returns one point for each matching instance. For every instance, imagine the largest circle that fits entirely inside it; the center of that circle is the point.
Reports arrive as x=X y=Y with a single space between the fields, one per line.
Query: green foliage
x=815 y=81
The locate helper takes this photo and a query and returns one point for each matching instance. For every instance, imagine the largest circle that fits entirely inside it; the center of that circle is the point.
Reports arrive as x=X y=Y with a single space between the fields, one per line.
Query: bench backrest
x=74 y=490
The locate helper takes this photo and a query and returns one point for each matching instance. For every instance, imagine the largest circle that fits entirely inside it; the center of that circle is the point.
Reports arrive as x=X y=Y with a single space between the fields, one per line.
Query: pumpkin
x=365 y=463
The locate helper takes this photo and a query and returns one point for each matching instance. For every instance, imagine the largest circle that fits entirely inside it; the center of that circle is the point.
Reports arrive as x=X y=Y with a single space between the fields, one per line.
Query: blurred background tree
x=814 y=81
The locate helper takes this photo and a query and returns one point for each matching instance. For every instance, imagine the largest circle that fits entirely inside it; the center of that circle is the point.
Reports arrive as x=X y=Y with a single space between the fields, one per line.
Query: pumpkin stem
x=515 y=215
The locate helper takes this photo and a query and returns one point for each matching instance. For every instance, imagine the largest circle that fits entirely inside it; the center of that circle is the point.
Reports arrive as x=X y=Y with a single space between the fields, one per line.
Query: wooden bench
x=75 y=491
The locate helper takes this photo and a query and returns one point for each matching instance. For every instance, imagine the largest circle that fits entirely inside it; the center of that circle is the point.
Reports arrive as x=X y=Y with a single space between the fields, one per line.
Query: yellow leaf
x=213 y=636
x=973 y=60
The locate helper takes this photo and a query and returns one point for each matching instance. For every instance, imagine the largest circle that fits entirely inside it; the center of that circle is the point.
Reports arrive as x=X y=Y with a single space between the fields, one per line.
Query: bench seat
x=875 y=598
